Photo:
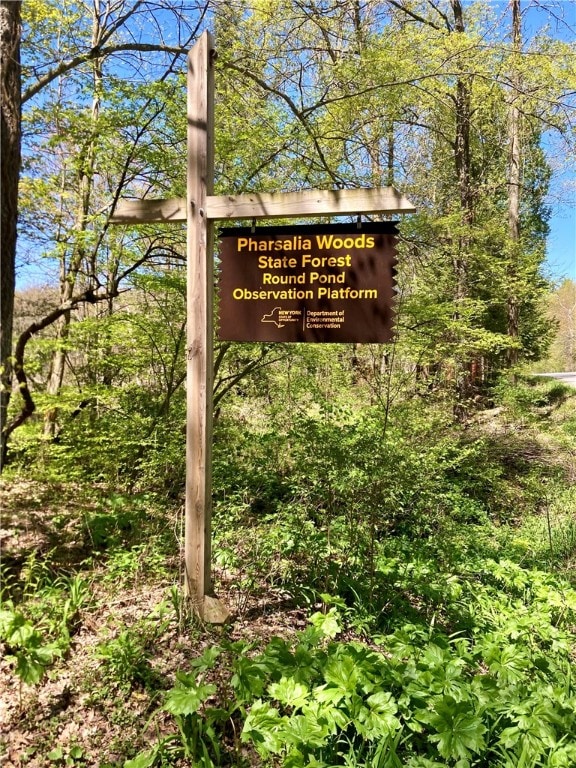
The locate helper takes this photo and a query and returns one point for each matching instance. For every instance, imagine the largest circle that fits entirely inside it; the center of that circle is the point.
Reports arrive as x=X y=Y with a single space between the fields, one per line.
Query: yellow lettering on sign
x=326 y=261
x=243 y=294
x=283 y=262
x=320 y=277
x=269 y=278
x=326 y=242
x=265 y=245
x=347 y=293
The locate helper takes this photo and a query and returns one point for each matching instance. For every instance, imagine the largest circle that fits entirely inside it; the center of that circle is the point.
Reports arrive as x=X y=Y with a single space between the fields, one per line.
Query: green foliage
x=198 y=735
x=199 y=725
x=39 y=632
x=533 y=398
x=27 y=648
x=125 y=659
x=118 y=438
x=444 y=638
x=498 y=691
x=125 y=656
x=114 y=519
x=70 y=757
x=323 y=497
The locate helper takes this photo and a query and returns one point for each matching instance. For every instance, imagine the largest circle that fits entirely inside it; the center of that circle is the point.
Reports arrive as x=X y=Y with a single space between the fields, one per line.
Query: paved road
x=567 y=378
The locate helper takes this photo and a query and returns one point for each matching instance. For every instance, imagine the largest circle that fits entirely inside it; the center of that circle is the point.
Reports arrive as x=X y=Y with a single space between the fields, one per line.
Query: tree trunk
x=462 y=165
x=462 y=158
x=68 y=278
x=514 y=190
x=10 y=133
x=56 y=377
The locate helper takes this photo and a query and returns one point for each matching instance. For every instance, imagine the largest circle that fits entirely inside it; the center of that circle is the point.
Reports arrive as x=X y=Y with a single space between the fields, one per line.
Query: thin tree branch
x=98 y=52
x=29 y=406
x=413 y=14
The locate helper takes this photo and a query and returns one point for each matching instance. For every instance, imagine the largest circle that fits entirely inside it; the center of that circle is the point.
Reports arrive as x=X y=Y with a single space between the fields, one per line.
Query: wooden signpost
x=199 y=210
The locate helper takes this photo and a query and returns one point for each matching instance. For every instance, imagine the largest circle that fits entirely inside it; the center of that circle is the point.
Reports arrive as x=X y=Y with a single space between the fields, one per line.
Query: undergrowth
x=495 y=692
x=435 y=563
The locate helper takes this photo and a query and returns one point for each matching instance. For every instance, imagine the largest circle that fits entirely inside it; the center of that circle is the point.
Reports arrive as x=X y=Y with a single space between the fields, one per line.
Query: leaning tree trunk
x=10 y=135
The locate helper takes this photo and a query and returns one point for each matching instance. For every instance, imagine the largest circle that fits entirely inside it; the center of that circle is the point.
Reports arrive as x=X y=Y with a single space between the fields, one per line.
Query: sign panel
x=320 y=283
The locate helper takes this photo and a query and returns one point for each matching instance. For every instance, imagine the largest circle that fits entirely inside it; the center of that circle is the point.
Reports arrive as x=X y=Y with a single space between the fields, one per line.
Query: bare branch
x=98 y=52
x=413 y=14
x=29 y=406
x=224 y=385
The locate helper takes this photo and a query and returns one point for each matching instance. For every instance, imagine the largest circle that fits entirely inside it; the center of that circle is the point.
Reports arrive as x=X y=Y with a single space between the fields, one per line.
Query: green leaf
x=326 y=623
x=143 y=760
x=187 y=701
x=459 y=732
x=423 y=762
x=509 y=663
x=435 y=656
x=382 y=702
x=22 y=633
x=6 y=617
x=264 y=728
x=297 y=760
x=306 y=731
x=45 y=654
x=249 y=678
x=378 y=718
x=327 y=694
x=31 y=664
x=342 y=671
x=208 y=659
x=289 y=692
x=564 y=756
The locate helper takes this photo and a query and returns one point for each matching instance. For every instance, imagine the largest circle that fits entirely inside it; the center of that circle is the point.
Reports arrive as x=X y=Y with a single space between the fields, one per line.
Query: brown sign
x=320 y=283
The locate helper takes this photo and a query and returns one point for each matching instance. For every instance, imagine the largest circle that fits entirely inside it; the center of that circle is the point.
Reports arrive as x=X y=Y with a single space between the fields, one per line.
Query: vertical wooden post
x=200 y=238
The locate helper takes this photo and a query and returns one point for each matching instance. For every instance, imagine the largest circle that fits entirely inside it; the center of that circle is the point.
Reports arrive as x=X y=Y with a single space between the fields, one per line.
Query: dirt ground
x=78 y=714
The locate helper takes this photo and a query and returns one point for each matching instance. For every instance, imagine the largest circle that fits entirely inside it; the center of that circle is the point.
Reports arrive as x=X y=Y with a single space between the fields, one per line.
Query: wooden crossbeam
x=308 y=202
x=269 y=205
x=168 y=211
